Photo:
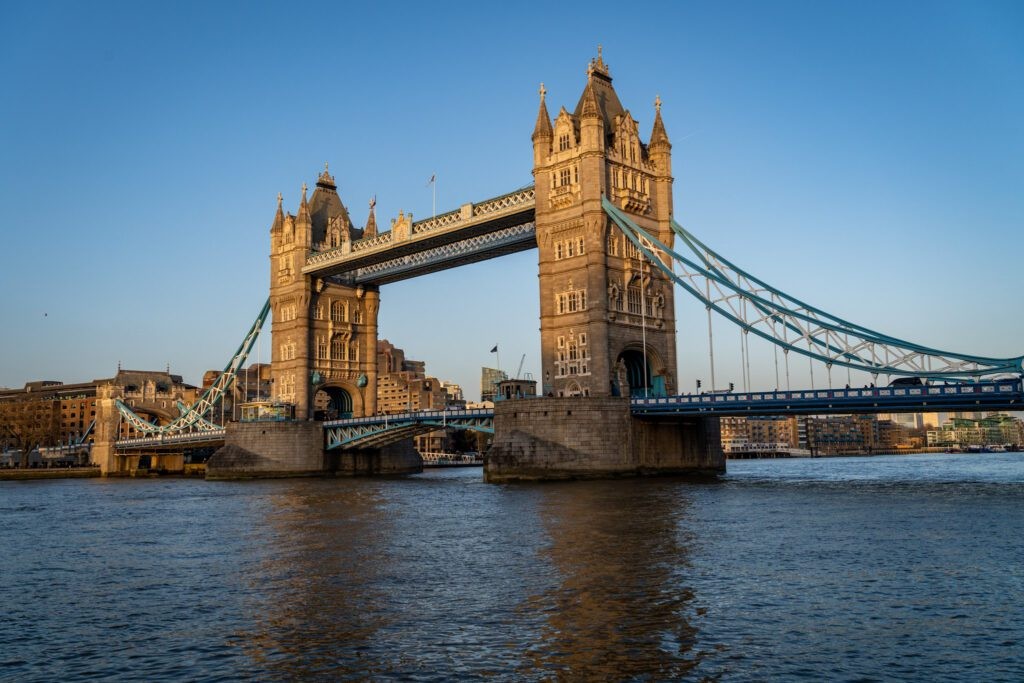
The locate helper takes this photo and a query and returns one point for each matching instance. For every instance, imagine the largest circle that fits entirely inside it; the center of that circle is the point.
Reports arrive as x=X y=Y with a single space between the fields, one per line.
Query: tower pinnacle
x=543 y=125
x=659 y=138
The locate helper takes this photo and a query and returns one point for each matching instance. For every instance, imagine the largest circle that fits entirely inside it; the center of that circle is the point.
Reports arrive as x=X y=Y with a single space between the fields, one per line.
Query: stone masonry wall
x=269 y=449
x=584 y=438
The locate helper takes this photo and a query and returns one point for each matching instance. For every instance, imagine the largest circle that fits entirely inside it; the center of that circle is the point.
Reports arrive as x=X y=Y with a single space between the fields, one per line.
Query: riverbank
x=48 y=473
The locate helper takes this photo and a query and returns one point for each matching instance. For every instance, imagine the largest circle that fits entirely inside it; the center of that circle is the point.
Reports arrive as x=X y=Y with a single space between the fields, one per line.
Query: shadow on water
x=622 y=605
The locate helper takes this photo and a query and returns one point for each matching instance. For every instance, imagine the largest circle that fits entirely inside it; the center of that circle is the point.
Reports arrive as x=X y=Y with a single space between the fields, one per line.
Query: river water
x=857 y=569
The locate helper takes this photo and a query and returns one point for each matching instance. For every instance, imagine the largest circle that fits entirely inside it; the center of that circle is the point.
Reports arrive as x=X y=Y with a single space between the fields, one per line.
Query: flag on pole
x=495 y=349
x=433 y=193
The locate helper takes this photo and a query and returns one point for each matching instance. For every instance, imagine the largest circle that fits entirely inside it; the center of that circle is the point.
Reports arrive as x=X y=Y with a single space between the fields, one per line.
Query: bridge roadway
x=996 y=395
x=380 y=430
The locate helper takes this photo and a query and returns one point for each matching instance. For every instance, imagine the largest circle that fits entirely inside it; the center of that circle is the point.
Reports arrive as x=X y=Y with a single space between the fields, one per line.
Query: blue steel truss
x=192 y=418
x=793 y=325
x=382 y=430
x=962 y=396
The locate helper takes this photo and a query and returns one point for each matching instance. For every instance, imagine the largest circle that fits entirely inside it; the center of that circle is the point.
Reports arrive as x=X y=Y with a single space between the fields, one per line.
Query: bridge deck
x=998 y=395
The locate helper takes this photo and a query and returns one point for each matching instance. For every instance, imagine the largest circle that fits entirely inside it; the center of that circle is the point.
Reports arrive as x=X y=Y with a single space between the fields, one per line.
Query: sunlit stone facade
x=598 y=300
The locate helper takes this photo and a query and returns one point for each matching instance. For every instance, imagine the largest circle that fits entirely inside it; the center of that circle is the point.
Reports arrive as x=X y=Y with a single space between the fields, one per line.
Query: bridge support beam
x=596 y=438
x=105 y=433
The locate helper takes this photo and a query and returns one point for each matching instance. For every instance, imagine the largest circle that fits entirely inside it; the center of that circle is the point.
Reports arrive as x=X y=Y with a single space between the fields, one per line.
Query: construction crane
x=520 y=370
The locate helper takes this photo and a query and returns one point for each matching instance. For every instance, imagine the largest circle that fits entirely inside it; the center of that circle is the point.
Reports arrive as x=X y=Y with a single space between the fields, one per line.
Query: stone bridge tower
x=607 y=317
x=324 y=331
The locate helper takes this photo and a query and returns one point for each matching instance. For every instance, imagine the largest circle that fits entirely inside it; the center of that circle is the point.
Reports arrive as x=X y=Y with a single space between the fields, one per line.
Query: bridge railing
x=987 y=391
x=417 y=415
x=170 y=438
x=511 y=202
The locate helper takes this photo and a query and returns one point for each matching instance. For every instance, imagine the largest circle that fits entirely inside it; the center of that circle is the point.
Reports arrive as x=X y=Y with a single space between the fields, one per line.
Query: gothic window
x=570 y=248
x=321 y=348
x=579 y=246
x=357 y=316
x=613 y=245
x=563 y=142
x=561 y=342
x=633 y=297
x=576 y=174
x=563 y=177
x=318 y=313
x=338 y=311
x=558 y=251
x=583 y=338
x=337 y=349
x=571 y=301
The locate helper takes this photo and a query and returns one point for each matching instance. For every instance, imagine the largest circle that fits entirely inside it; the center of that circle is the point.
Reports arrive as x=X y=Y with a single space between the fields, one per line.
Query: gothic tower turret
x=324 y=331
x=607 y=316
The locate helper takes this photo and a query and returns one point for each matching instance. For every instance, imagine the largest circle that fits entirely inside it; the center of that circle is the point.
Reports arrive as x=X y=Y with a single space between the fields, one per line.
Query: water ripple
x=863 y=569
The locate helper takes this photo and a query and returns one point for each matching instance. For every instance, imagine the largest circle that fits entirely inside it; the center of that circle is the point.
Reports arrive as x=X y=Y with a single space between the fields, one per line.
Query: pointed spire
x=326 y=180
x=371 y=222
x=303 y=206
x=591 y=108
x=279 y=216
x=597 y=66
x=659 y=137
x=543 y=127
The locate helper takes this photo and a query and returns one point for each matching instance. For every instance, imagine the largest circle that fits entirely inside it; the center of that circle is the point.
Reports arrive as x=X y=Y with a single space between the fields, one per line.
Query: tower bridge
x=611 y=257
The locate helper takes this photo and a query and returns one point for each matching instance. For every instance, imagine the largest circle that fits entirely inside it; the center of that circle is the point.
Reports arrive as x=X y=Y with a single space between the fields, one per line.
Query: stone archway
x=637 y=376
x=332 y=403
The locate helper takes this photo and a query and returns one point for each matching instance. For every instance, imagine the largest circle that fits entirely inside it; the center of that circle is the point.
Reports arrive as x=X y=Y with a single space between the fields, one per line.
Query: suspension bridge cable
x=829 y=339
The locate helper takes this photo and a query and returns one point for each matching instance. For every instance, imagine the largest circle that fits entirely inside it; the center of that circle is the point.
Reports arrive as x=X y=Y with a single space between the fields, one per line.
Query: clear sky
x=866 y=157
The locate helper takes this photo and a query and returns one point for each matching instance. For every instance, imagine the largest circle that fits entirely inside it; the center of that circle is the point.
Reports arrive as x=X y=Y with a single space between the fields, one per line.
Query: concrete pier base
x=270 y=450
x=398 y=458
x=595 y=438
x=258 y=450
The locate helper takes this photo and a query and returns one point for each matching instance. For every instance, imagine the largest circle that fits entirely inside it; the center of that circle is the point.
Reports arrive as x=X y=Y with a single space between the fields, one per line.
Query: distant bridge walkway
x=996 y=395
x=382 y=430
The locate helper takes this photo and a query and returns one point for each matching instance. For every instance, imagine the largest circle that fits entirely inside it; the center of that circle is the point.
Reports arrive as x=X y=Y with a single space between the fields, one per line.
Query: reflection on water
x=319 y=582
x=854 y=569
x=620 y=604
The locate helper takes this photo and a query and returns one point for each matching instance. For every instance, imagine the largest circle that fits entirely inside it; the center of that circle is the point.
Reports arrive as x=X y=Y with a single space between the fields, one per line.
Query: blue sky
x=866 y=157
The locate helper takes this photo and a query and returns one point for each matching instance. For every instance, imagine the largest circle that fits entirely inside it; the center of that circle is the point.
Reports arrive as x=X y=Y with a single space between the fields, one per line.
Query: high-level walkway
x=474 y=232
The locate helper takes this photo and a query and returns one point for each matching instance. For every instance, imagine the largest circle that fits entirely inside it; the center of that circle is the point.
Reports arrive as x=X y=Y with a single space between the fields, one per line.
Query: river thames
x=858 y=569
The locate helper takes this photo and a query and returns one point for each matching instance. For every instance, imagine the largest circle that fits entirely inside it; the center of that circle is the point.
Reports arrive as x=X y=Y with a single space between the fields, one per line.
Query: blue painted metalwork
x=168 y=440
x=192 y=418
x=381 y=430
x=785 y=320
x=997 y=395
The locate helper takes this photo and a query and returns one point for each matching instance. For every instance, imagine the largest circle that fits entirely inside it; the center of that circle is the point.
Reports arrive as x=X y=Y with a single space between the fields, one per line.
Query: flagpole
x=433 y=185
